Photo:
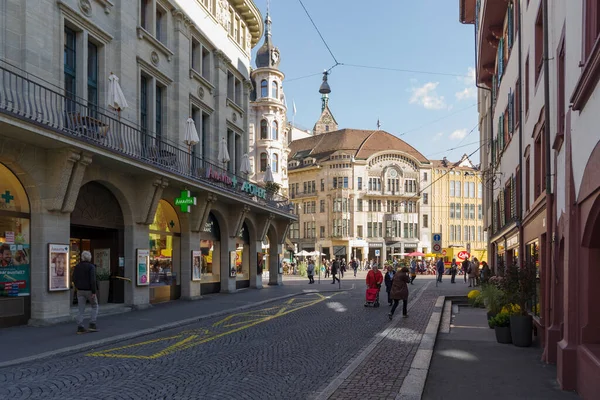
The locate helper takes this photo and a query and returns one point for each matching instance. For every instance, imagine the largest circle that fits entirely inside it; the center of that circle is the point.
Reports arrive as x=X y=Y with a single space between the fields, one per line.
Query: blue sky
x=423 y=35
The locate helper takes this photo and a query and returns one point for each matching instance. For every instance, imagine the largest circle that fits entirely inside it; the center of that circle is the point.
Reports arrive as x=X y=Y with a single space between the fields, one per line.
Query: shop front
x=165 y=260
x=210 y=248
x=376 y=251
x=97 y=226
x=15 y=253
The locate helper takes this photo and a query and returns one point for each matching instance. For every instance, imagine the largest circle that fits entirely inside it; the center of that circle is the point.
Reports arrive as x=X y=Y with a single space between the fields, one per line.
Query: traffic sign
x=377 y=253
x=437 y=243
x=468 y=247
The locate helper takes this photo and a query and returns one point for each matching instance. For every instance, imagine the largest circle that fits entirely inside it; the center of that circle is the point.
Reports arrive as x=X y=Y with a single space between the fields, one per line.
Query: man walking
x=354 y=264
x=84 y=279
x=453 y=269
x=440 y=269
x=466 y=267
x=335 y=267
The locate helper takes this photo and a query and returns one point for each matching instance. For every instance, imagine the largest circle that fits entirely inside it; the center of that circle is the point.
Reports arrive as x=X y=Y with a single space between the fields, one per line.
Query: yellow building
x=457 y=207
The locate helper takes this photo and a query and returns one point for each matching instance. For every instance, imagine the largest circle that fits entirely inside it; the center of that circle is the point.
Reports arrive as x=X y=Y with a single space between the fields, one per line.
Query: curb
x=414 y=383
x=173 y=325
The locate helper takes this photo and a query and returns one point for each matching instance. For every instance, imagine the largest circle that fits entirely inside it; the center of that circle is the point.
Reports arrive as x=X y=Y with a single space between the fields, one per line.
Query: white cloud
x=427 y=96
x=438 y=136
x=470 y=91
x=458 y=134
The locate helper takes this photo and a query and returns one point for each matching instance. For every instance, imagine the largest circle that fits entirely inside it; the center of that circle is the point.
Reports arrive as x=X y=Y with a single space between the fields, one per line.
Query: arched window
x=264 y=132
x=274 y=130
x=274 y=90
x=275 y=163
x=263 y=162
x=264 y=88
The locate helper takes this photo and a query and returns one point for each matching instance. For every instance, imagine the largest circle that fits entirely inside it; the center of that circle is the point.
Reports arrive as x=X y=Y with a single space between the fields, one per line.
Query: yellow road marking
x=195 y=337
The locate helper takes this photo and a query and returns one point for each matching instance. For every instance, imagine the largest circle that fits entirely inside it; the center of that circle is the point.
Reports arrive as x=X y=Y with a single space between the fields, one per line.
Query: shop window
x=164 y=239
x=242 y=254
x=15 y=284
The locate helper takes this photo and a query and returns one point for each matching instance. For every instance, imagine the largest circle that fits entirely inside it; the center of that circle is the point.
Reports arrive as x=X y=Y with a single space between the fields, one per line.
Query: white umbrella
x=268 y=175
x=116 y=98
x=245 y=167
x=223 y=153
x=303 y=253
x=315 y=253
x=191 y=135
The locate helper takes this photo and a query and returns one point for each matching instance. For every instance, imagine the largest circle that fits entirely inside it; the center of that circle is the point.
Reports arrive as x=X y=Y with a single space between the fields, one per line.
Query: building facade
x=457 y=207
x=358 y=194
x=269 y=129
x=552 y=112
x=163 y=217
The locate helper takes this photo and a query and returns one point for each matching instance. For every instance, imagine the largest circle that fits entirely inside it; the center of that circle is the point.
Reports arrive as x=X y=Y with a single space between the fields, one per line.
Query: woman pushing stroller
x=374 y=281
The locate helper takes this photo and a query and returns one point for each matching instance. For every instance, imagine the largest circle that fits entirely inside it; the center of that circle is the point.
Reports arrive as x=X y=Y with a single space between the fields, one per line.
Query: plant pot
x=103 y=287
x=503 y=334
x=490 y=315
x=521 y=330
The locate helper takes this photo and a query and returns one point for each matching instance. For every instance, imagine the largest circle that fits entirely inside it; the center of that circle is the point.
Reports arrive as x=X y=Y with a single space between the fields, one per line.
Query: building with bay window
x=359 y=194
x=538 y=64
x=165 y=215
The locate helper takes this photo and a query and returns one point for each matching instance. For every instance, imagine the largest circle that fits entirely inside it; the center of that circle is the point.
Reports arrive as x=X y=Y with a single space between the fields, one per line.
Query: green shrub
x=500 y=320
x=494 y=298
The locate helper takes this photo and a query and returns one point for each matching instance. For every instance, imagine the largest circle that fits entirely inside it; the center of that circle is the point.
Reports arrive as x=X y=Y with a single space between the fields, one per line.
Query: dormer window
x=264 y=88
x=274 y=90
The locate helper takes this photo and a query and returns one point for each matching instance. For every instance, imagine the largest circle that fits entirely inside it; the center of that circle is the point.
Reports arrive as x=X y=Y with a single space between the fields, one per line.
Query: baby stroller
x=372 y=297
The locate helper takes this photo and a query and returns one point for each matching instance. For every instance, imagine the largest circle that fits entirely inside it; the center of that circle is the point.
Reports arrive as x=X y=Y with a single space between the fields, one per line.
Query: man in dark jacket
x=84 y=280
x=465 y=268
x=440 y=269
x=335 y=267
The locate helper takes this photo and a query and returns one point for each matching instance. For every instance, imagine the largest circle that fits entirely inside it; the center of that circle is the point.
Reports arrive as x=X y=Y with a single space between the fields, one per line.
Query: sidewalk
x=468 y=363
x=27 y=343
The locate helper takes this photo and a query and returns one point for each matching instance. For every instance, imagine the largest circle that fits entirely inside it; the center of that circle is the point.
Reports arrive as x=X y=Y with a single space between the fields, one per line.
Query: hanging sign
x=185 y=201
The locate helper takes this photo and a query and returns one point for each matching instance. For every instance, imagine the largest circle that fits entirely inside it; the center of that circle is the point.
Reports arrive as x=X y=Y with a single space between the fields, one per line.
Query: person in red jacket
x=374 y=278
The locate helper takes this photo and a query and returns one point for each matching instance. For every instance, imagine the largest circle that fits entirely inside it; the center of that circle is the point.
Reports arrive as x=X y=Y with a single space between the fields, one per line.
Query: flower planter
x=521 y=330
x=503 y=334
x=490 y=315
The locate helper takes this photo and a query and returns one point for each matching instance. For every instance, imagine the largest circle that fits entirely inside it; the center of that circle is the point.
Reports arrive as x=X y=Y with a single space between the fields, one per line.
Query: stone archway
x=274 y=259
x=97 y=225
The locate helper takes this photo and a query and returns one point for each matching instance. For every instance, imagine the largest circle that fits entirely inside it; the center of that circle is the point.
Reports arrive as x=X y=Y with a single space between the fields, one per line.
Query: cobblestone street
x=291 y=349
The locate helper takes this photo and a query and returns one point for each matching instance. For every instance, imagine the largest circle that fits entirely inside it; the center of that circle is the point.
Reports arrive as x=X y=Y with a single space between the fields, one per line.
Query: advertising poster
x=143 y=267
x=196 y=265
x=58 y=269
x=14 y=270
x=232 y=268
x=102 y=260
x=280 y=264
x=260 y=262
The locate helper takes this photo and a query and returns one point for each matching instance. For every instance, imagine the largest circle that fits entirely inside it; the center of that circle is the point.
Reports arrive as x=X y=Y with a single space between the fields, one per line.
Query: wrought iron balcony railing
x=30 y=98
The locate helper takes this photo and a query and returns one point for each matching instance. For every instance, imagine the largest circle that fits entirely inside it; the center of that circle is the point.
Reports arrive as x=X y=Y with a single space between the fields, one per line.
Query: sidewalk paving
x=28 y=343
x=468 y=363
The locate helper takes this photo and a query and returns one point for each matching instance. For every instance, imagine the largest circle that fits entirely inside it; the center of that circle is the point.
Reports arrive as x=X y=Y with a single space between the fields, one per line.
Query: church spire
x=268 y=55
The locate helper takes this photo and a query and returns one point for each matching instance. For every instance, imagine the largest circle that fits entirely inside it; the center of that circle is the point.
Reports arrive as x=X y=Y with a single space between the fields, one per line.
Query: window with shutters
x=513 y=198
x=560 y=92
x=501 y=209
x=527 y=85
x=505 y=126
x=539 y=44
x=500 y=60
x=509 y=30
x=517 y=105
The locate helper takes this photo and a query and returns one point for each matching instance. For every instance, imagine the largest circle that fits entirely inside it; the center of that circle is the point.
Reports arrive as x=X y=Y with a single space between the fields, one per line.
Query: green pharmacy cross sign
x=185 y=201
x=7 y=197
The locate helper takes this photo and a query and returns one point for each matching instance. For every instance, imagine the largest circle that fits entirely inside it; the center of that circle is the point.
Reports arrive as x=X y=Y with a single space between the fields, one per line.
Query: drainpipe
x=491 y=113
x=521 y=123
x=549 y=198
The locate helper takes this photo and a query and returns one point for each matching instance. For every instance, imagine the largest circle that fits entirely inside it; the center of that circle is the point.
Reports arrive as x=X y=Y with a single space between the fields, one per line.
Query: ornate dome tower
x=268 y=122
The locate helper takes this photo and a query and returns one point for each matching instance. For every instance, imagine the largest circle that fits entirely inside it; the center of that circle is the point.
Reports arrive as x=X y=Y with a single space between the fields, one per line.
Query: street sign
x=437 y=243
x=468 y=247
x=377 y=253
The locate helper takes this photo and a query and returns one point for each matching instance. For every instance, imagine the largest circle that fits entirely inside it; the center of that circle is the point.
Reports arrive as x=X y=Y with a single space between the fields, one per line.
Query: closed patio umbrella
x=116 y=98
x=268 y=175
x=245 y=167
x=191 y=136
x=223 y=155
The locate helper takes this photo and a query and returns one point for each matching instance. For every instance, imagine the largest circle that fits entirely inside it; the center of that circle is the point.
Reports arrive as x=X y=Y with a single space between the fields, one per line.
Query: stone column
x=228 y=284
x=47 y=307
x=135 y=237
x=275 y=249
x=190 y=241
x=254 y=247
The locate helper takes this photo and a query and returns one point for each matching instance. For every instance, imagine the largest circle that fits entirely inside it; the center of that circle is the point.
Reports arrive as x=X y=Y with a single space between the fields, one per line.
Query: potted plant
x=103 y=279
x=494 y=299
x=272 y=189
x=522 y=284
x=501 y=324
